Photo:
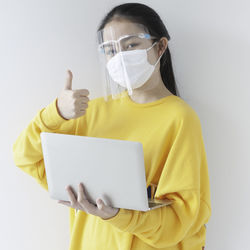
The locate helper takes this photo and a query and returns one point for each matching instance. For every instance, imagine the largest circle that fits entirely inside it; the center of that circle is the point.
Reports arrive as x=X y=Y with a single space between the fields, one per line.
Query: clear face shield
x=124 y=59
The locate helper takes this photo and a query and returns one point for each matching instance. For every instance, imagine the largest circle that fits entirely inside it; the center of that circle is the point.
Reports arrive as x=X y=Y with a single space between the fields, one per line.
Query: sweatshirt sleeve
x=27 y=150
x=179 y=181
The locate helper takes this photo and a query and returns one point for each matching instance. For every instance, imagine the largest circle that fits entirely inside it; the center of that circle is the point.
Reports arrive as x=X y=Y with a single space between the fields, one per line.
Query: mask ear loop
x=160 y=55
x=152 y=45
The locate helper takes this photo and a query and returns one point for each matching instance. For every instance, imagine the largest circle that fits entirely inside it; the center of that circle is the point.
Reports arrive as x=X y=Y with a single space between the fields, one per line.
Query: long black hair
x=143 y=14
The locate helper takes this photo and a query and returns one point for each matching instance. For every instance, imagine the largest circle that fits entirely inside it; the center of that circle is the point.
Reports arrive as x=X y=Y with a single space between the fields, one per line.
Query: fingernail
x=99 y=204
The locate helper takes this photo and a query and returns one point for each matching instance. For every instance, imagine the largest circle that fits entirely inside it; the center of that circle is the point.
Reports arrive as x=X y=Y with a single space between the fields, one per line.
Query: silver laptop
x=110 y=169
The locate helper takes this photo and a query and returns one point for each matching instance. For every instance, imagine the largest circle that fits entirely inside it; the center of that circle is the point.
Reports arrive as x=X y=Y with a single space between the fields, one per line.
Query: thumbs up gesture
x=72 y=104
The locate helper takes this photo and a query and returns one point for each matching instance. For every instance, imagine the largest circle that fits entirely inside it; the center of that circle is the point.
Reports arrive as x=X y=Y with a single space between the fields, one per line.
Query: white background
x=210 y=45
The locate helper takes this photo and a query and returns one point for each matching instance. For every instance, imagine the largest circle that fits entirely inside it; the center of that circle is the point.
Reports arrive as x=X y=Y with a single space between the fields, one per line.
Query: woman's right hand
x=72 y=104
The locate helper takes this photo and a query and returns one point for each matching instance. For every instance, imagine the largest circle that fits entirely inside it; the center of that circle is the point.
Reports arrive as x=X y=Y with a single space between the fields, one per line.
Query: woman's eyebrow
x=108 y=43
x=127 y=38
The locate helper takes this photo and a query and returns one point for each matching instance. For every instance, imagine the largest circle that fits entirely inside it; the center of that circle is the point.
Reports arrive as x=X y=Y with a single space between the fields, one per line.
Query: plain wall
x=210 y=46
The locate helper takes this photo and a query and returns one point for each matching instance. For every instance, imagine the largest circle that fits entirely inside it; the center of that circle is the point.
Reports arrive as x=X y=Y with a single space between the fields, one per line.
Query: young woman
x=148 y=111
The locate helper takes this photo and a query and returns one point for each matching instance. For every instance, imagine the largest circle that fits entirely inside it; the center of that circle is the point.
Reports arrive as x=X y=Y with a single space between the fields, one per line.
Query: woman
x=168 y=128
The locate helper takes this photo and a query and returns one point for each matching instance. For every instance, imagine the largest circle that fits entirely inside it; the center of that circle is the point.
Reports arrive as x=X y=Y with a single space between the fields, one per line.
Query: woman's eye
x=132 y=44
x=111 y=51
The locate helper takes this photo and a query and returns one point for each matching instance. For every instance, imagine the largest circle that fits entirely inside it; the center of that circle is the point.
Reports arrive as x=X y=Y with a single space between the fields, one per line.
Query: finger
x=68 y=203
x=68 y=84
x=81 y=110
x=81 y=194
x=81 y=92
x=90 y=208
x=103 y=207
x=100 y=204
x=71 y=195
x=83 y=197
x=83 y=200
x=79 y=113
x=84 y=98
x=81 y=104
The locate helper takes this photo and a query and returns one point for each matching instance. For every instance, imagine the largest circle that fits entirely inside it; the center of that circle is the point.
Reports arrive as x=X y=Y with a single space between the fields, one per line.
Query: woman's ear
x=162 y=45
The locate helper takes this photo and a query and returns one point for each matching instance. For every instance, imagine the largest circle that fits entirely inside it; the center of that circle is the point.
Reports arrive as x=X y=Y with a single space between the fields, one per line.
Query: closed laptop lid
x=110 y=169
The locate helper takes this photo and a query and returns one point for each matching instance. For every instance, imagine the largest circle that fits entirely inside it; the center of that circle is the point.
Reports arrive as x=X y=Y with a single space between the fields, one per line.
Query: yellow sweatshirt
x=175 y=160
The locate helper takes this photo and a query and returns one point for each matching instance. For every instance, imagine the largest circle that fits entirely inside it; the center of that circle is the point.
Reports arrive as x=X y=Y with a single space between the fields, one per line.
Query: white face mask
x=133 y=65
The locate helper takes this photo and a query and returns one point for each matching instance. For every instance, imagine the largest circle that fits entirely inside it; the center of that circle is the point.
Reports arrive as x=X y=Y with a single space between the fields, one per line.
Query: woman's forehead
x=114 y=30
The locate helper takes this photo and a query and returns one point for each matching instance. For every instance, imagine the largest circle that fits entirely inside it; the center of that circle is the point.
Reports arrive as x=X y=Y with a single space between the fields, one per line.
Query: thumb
x=100 y=204
x=68 y=84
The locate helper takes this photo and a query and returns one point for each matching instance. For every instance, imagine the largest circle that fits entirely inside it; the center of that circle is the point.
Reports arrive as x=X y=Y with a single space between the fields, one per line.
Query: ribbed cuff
x=120 y=220
x=51 y=117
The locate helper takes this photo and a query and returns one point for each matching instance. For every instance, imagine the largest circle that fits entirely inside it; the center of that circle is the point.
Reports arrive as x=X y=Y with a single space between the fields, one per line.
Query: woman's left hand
x=81 y=203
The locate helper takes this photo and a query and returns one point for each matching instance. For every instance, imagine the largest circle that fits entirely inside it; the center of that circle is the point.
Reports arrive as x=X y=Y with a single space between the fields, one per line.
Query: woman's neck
x=146 y=95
